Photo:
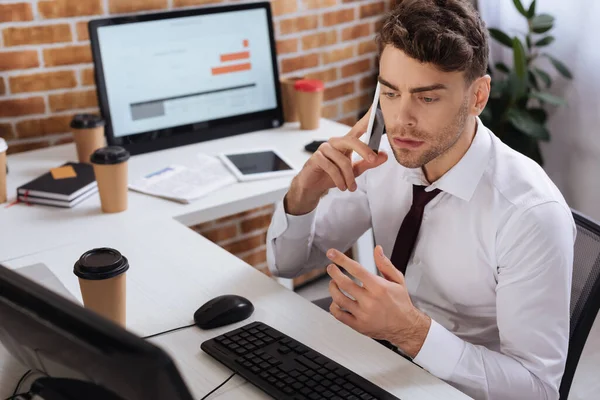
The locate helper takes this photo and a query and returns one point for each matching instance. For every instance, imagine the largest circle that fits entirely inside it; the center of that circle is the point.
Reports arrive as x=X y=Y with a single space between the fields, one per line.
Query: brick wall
x=46 y=73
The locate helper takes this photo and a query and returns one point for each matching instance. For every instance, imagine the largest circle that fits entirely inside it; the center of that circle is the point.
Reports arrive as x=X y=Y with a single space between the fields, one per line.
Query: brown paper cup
x=87 y=141
x=106 y=297
x=309 y=109
x=112 y=186
x=288 y=99
x=3 y=196
x=102 y=281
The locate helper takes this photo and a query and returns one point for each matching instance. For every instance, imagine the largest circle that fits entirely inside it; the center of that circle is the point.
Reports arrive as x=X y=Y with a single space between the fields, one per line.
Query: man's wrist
x=299 y=202
x=411 y=340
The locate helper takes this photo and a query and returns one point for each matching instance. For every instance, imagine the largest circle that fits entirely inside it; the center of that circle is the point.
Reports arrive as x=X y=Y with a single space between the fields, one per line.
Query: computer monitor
x=48 y=333
x=180 y=77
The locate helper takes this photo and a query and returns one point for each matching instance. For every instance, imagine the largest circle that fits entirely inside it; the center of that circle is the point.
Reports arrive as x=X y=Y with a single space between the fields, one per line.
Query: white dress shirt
x=492 y=264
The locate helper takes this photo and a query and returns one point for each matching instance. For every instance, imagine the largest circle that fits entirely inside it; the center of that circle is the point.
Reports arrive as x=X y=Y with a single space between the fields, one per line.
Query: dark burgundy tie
x=407 y=234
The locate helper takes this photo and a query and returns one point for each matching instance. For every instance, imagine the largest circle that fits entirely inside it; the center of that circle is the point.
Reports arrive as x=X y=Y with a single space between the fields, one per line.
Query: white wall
x=572 y=158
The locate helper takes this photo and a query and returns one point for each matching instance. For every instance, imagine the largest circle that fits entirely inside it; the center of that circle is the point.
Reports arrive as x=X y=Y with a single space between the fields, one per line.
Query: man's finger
x=341 y=299
x=345 y=283
x=385 y=266
x=346 y=145
x=353 y=268
x=343 y=316
x=361 y=166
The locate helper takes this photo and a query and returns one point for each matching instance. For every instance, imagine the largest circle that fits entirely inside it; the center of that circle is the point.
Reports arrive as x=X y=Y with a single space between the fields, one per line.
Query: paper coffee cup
x=3 y=148
x=309 y=95
x=102 y=282
x=88 y=133
x=110 y=168
x=288 y=99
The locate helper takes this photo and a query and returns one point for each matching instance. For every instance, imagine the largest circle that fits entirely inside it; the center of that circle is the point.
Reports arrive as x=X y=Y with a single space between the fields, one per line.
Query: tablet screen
x=258 y=163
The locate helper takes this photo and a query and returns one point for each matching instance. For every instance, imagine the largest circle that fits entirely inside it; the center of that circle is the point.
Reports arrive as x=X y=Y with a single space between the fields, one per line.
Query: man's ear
x=481 y=92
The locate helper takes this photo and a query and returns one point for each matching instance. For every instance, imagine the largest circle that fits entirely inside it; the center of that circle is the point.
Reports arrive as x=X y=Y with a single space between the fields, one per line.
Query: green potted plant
x=519 y=100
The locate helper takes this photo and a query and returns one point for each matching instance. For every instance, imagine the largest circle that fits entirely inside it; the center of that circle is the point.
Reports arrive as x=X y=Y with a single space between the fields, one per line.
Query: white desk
x=174 y=270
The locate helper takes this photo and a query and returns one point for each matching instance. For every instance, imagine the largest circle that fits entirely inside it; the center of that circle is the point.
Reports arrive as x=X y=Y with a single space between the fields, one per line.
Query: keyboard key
x=307 y=363
x=310 y=383
x=252 y=326
x=330 y=366
x=311 y=355
x=262 y=327
x=305 y=391
x=240 y=351
x=309 y=373
x=297 y=385
x=302 y=378
x=243 y=342
x=271 y=380
x=340 y=381
x=250 y=347
x=357 y=391
x=288 y=390
x=259 y=343
x=264 y=355
x=294 y=373
x=248 y=364
x=326 y=382
x=264 y=365
x=260 y=352
x=301 y=368
x=331 y=376
x=255 y=369
x=320 y=360
x=314 y=396
x=318 y=378
x=274 y=361
x=344 y=393
x=320 y=388
x=284 y=350
x=322 y=371
x=353 y=398
x=366 y=396
x=289 y=380
x=280 y=384
x=264 y=375
x=244 y=334
x=253 y=331
x=220 y=338
x=335 y=388
x=285 y=341
x=328 y=394
x=301 y=349
x=233 y=333
x=233 y=346
x=260 y=335
x=226 y=342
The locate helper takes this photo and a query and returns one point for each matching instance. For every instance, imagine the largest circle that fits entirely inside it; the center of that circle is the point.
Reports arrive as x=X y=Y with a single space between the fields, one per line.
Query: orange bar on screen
x=231 y=68
x=235 y=56
x=246 y=43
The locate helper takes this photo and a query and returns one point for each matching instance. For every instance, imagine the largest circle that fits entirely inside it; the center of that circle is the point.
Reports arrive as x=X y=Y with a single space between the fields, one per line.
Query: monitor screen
x=185 y=69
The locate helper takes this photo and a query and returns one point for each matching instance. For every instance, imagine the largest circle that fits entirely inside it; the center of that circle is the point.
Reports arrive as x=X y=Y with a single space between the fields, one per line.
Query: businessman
x=474 y=241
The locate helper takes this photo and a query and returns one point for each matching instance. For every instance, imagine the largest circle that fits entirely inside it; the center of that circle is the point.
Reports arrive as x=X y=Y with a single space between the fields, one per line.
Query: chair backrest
x=585 y=293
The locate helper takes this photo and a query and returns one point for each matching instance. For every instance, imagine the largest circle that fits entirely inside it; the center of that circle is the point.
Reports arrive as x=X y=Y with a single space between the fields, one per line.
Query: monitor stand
x=70 y=389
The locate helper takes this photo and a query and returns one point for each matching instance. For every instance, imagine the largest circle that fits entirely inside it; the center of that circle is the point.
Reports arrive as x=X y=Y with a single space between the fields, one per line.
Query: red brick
x=44 y=126
x=281 y=7
x=350 y=121
x=188 y=3
x=82 y=31
x=37 y=35
x=356 y=104
x=330 y=111
x=42 y=81
x=244 y=245
x=222 y=233
x=328 y=75
x=356 y=68
x=64 y=140
x=338 y=17
x=368 y=82
x=373 y=9
x=301 y=62
x=68 y=55
x=299 y=24
x=320 y=39
x=129 y=6
x=87 y=77
x=286 y=46
x=368 y=46
x=15 y=12
x=313 y=4
x=256 y=223
x=6 y=131
x=18 y=107
x=10 y=60
x=354 y=32
x=337 y=91
x=2 y=86
x=70 y=8
x=257 y=258
x=73 y=100
x=336 y=55
x=21 y=147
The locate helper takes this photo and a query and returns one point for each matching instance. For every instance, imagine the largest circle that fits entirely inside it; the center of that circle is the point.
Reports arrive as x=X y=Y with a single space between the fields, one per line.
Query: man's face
x=425 y=110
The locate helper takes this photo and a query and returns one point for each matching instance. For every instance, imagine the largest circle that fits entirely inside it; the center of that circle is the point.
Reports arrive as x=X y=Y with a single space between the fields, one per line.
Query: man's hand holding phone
x=332 y=166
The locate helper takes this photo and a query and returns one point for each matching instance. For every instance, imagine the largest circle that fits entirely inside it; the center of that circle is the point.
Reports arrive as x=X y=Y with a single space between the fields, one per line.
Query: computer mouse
x=223 y=310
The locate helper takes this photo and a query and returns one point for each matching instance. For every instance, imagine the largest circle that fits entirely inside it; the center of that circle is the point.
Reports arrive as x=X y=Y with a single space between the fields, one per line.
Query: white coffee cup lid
x=3 y=145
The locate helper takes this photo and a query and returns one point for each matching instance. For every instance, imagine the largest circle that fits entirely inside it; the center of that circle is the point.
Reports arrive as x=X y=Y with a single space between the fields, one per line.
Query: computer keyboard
x=286 y=369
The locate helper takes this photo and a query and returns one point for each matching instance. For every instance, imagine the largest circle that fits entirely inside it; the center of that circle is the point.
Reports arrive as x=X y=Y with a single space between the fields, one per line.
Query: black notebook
x=65 y=191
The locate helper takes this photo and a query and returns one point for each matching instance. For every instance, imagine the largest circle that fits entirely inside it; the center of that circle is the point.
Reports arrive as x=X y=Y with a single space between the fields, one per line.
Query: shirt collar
x=462 y=179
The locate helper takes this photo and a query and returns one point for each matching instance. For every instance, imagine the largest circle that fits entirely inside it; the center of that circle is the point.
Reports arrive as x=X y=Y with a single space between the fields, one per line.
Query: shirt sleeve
x=298 y=244
x=535 y=254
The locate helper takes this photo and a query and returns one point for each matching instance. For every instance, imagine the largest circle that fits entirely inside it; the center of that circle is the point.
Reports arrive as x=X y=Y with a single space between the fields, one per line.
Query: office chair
x=585 y=294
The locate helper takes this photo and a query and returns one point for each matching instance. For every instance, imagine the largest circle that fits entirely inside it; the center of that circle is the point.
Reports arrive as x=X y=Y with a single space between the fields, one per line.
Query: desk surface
x=174 y=270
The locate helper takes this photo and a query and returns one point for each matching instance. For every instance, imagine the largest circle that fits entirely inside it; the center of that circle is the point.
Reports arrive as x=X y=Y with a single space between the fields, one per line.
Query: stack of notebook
x=65 y=186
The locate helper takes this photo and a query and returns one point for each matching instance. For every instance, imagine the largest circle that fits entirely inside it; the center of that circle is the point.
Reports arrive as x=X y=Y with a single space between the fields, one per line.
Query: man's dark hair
x=447 y=33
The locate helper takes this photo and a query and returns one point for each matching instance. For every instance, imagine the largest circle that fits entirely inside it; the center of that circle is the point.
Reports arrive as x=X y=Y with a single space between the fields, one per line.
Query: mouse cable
x=219 y=387
x=169 y=331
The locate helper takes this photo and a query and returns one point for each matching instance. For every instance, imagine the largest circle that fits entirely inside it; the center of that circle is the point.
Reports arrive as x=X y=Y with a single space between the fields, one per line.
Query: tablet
x=257 y=164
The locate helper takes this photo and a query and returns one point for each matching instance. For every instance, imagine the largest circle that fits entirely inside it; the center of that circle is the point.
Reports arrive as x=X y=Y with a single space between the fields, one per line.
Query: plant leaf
x=531 y=11
x=539 y=114
x=525 y=123
x=533 y=80
x=548 y=98
x=501 y=37
x=542 y=23
x=519 y=58
x=502 y=67
x=516 y=87
x=528 y=40
x=520 y=7
x=560 y=67
x=543 y=76
x=545 y=41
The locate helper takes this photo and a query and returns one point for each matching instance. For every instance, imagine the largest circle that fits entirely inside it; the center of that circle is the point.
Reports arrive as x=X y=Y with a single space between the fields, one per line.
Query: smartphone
x=376 y=126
